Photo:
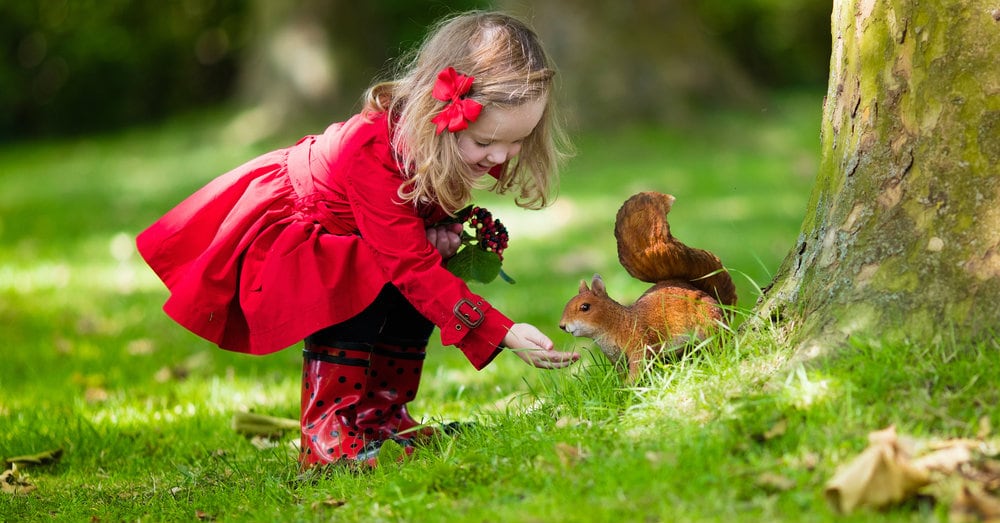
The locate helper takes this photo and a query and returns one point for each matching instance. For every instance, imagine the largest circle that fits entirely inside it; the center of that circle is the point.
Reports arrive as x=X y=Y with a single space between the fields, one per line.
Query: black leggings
x=389 y=319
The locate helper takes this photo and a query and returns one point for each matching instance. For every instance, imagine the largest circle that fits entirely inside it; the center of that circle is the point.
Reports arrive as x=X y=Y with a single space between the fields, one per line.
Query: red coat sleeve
x=397 y=236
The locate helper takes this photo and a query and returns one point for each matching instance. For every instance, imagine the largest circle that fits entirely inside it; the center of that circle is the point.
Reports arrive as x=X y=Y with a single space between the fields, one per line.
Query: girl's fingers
x=444 y=239
x=549 y=359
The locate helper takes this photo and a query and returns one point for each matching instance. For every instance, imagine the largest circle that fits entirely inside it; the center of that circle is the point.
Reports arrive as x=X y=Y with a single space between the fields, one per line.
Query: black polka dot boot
x=393 y=379
x=333 y=384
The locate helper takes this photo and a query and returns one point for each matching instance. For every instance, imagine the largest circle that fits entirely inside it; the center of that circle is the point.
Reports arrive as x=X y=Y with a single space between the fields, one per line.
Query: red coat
x=305 y=237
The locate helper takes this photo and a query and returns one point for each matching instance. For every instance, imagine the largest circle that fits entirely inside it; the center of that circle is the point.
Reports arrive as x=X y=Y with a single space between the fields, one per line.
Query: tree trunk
x=288 y=72
x=901 y=239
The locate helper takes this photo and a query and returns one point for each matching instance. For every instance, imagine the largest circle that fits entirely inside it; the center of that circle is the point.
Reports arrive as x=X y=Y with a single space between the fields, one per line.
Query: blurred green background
x=78 y=66
x=118 y=109
x=112 y=111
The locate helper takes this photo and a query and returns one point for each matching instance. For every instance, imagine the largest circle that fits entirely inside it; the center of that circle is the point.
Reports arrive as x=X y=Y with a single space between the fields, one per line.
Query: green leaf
x=390 y=453
x=474 y=264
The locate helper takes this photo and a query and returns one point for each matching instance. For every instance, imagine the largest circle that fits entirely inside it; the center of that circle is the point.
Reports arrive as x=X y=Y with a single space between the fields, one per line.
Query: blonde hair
x=510 y=68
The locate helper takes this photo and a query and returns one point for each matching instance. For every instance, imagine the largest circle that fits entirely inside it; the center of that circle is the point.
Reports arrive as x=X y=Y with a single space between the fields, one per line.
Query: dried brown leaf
x=251 y=424
x=809 y=460
x=264 y=442
x=974 y=505
x=945 y=460
x=985 y=428
x=775 y=482
x=570 y=421
x=984 y=471
x=328 y=503
x=886 y=435
x=880 y=476
x=779 y=429
x=41 y=458
x=12 y=481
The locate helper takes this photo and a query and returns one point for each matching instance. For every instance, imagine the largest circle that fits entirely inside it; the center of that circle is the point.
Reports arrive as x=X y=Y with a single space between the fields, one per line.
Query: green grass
x=142 y=408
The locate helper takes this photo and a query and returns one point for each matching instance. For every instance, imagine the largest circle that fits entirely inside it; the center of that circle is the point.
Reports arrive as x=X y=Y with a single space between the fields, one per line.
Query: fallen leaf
x=945 y=460
x=880 y=476
x=809 y=460
x=569 y=421
x=985 y=428
x=984 y=471
x=886 y=435
x=973 y=505
x=778 y=429
x=775 y=482
x=971 y=444
x=250 y=424
x=264 y=442
x=391 y=453
x=14 y=482
x=41 y=458
x=329 y=502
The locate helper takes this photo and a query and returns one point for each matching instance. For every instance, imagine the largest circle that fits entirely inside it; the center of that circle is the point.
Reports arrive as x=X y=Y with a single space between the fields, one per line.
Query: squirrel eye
x=585 y=307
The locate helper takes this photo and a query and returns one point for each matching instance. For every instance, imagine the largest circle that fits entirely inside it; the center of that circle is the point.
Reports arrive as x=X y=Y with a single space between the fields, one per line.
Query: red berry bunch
x=490 y=233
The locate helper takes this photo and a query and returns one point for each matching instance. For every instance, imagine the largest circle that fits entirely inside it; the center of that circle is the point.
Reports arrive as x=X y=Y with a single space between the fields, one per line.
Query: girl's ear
x=598 y=285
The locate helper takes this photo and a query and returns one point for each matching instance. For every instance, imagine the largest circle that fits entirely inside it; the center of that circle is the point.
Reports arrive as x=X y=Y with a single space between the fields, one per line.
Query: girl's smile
x=496 y=136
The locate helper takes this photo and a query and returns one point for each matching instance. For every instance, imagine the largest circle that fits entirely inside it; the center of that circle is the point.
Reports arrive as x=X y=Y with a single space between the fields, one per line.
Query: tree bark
x=901 y=240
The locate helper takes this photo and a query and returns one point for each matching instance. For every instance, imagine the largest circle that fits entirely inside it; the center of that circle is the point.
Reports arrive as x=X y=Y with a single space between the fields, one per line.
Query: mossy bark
x=901 y=240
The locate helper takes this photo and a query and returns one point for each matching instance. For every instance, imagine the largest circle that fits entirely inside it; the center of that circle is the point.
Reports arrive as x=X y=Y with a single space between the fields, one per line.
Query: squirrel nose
x=562 y=325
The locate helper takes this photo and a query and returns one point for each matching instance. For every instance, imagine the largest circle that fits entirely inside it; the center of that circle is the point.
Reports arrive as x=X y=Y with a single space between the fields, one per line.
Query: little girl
x=339 y=239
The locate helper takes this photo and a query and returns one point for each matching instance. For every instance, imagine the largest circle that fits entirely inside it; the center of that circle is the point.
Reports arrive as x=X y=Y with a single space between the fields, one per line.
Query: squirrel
x=683 y=304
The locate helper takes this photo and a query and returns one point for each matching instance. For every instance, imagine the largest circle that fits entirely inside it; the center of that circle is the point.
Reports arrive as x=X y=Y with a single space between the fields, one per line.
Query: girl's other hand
x=446 y=238
x=535 y=348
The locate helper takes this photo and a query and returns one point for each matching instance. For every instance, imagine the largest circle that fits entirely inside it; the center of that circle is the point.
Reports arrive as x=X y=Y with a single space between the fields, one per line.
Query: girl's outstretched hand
x=446 y=238
x=535 y=348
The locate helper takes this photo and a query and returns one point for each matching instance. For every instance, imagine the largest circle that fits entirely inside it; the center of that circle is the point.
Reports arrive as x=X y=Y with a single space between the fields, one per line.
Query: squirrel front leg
x=636 y=359
x=634 y=368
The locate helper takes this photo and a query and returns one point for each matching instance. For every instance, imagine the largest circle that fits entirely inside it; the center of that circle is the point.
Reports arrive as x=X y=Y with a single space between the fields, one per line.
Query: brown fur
x=683 y=303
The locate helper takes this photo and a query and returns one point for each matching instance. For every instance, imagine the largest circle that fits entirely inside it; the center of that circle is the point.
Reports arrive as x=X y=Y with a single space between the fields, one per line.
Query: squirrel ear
x=583 y=286
x=598 y=285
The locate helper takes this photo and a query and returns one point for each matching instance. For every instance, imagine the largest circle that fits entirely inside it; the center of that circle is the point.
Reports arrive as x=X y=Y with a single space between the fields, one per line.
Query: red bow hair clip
x=458 y=112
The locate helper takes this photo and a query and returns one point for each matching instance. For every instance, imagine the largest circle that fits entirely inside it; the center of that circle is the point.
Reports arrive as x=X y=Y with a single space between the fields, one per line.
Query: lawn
x=142 y=409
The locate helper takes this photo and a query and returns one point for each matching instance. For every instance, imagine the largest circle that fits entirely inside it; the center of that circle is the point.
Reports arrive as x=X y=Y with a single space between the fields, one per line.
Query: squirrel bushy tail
x=649 y=253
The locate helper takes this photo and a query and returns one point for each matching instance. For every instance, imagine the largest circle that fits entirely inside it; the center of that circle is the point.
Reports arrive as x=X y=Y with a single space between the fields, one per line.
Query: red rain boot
x=333 y=385
x=393 y=379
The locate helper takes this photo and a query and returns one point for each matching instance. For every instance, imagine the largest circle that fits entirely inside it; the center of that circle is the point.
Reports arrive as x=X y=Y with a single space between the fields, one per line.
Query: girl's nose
x=497 y=156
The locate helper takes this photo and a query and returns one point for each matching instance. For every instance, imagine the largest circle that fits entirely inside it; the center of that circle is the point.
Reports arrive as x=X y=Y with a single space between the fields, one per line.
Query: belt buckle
x=464 y=317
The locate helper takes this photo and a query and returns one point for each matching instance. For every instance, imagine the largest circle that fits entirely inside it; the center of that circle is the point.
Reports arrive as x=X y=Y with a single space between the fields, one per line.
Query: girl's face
x=497 y=134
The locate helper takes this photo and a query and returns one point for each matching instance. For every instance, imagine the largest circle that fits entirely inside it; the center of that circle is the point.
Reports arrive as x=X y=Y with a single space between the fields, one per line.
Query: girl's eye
x=481 y=144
